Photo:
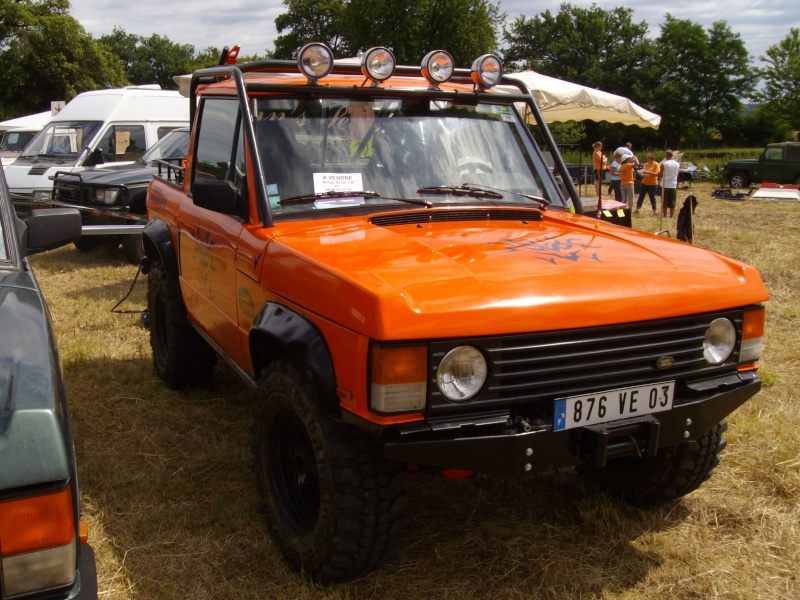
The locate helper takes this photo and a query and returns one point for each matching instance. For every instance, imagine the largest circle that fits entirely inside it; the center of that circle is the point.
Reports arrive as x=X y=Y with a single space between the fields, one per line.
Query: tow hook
x=523 y=424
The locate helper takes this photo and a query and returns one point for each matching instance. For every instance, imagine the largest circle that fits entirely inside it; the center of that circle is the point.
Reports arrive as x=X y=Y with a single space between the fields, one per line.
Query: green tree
x=47 y=53
x=781 y=91
x=153 y=59
x=411 y=28
x=703 y=76
x=310 y=21
x=599 y=48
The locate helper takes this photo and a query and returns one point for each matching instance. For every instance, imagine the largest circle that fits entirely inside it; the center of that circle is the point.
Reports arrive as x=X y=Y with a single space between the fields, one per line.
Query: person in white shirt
x=669 y=183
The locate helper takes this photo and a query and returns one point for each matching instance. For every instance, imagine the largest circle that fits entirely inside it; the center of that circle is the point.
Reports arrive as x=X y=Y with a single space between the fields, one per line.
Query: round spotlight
x=487 y=70
x=461 y=374
x=719 y=342
x=378 y=64
x=315 y=61
x=438 y=66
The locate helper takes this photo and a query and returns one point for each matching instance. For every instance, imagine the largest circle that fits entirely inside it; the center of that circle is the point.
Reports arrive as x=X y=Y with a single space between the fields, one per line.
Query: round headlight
x=487 y=70
x=378 y=64
x=719 y=342
x=461 y=374
x=438 y=66
x=315 y=61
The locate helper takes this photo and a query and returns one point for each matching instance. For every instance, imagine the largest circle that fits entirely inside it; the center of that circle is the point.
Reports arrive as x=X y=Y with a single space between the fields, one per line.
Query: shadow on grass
x=167 y=486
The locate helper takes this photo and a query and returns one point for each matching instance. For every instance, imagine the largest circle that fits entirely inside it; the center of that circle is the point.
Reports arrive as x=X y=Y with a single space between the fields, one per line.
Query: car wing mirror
x=50 y=228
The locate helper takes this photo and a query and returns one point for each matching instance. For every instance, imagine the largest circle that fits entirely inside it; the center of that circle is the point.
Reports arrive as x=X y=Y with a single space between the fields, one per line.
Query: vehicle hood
x=741 y=162
x=34 y=438
x=129 y=174
x=463 y=278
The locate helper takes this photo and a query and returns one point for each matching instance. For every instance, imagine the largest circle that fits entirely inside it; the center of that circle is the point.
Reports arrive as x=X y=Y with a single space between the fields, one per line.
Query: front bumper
x=484 y=446
x=85 y=587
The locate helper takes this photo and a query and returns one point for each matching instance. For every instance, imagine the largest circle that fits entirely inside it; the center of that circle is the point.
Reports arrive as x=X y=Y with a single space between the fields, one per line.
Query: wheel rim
x=293 y=471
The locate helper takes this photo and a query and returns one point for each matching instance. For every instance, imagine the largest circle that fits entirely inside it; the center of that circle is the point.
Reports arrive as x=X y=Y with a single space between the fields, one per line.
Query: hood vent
x=450 y=216
x=38 y=170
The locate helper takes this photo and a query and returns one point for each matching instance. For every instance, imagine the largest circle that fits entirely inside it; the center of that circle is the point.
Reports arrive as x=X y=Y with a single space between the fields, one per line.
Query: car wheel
x=133 y=247
x=333 y=506
x=88 y=243
x=673 y=472
x=181 y=357
x=740 y=180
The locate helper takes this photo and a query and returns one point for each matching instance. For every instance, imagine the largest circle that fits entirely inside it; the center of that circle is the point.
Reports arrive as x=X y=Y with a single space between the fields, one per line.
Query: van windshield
x=62 y=140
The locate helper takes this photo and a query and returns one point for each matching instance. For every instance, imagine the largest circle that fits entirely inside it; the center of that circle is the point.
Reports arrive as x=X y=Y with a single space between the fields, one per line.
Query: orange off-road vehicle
x=384 y=255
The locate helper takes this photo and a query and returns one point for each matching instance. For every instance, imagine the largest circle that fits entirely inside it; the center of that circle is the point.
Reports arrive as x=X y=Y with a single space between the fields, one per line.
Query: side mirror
x=217 y=195
x=50 y=228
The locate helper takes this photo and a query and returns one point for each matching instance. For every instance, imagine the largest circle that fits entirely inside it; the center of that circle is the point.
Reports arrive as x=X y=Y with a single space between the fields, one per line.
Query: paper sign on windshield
x=337 y=182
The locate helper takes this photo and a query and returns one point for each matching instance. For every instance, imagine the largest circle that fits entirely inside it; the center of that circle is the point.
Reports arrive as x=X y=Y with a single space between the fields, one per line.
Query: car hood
x=33 y=430
x=118 y=175
x=464 y=278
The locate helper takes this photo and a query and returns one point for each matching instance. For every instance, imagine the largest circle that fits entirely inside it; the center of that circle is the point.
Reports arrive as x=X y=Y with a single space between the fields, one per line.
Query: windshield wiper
x=543 y=201
x=306 y=198
x=460 y=190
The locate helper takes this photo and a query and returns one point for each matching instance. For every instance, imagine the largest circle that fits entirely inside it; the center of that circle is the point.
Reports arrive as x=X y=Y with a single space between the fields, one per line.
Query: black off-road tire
x=333 y=506
x=181 y=357
x=671 y=474
x=133 y=248
x=740 y=179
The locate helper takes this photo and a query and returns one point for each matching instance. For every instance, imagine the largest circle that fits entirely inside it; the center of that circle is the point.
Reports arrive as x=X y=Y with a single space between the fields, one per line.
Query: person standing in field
x=600 y=166
x=626 y=176
x=649 y=184
x=615 y=184
x=669 y=184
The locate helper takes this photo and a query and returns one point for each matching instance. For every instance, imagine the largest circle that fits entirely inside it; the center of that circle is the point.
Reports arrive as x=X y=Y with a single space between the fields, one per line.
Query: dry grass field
x=173 y=512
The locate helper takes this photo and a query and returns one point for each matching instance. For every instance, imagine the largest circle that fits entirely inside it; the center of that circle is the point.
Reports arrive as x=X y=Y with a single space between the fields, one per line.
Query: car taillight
x=38 y=542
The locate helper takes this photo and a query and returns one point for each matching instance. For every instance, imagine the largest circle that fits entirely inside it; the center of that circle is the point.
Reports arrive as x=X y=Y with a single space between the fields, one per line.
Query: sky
x=251 y=24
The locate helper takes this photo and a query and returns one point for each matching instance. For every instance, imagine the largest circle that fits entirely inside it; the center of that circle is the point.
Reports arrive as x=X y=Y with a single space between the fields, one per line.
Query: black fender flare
x=157 y=243
x=278 y=331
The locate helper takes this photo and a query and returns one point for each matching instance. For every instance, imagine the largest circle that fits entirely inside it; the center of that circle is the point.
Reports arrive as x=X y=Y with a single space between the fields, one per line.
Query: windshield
x=62 y=140
x=15 y=141
x=173 y=145
x=403 y=148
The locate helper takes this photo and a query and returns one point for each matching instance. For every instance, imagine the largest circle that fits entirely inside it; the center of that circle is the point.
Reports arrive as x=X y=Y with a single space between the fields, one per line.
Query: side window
x=773 y=154
x=122 y=143
x=164 y=130
x=215 y=149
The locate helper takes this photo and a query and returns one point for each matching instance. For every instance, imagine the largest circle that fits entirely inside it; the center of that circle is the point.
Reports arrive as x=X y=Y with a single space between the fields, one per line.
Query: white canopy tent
x=564 y=101
x=37 y=120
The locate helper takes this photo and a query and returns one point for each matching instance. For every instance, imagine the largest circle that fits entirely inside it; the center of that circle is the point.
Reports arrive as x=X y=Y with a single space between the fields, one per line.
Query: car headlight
x=719 y=342
x=106 y=196
x=42 y=195
x=461 y=374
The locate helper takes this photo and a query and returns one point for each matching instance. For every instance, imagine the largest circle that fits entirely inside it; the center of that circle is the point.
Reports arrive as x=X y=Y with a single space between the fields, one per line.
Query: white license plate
x=611 y=405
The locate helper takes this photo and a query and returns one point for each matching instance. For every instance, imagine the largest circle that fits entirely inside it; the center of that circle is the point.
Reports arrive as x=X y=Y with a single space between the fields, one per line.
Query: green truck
x=778 y=163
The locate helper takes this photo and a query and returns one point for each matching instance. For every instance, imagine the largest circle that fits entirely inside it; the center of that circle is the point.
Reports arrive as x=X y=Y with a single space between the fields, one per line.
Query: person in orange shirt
x=600 y=166
x=649 y=185
x=626 y=174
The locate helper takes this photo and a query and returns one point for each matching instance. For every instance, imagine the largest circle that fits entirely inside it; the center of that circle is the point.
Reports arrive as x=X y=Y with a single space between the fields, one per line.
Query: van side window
x=216 y=139
x=123 y=143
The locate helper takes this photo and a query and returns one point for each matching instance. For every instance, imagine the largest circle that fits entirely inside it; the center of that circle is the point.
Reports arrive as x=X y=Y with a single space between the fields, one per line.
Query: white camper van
x=94 y=129
x=14 y=142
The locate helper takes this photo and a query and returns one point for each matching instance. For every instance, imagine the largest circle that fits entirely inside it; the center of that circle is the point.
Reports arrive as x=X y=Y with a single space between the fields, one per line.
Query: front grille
x=540 y=367
x=74 y=194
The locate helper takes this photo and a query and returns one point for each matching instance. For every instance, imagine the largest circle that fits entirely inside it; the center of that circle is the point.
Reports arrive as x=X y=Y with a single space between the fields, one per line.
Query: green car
x=44 y=552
